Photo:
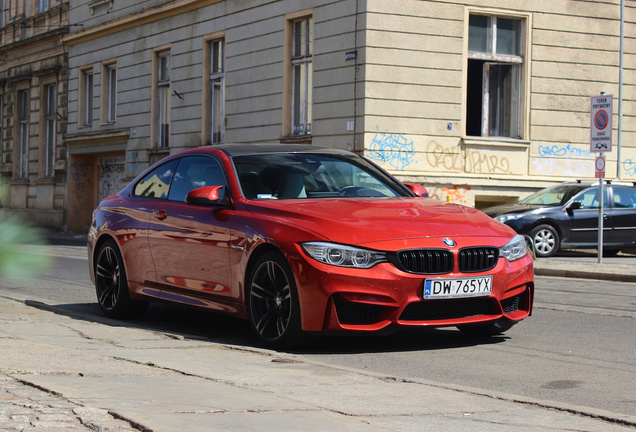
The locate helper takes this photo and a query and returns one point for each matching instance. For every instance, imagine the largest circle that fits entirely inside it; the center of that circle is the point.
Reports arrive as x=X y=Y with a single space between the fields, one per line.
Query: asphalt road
x=578 y=349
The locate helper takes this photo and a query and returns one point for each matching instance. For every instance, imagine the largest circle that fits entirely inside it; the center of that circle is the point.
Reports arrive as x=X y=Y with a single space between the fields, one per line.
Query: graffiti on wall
x=439 y=156
x=563 y=151
x=80 y=189
x=629 y=167
x=482 y=162
x=111 y=171
x=78 y=171
x=393 y=149
x=476 y=161
x=455 y=194
x=132 y=166
x=562 y=160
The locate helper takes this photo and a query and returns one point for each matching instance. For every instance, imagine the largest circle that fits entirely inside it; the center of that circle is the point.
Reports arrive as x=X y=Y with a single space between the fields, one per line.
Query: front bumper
x=345 y=299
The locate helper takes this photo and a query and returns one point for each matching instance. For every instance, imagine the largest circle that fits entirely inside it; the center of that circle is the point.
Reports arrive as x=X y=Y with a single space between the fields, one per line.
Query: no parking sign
x=601 y=123
x=599 y=165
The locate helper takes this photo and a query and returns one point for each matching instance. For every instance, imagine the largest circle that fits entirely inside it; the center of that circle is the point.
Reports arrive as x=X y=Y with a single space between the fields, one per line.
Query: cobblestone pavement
x=26 y=408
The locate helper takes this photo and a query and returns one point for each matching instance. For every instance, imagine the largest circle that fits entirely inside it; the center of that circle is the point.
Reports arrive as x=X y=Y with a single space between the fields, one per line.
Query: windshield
x=302 y=175
x=553 y=196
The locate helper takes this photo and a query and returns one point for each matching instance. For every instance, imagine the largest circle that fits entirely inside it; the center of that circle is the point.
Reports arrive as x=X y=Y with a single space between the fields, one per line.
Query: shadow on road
x=198 y=324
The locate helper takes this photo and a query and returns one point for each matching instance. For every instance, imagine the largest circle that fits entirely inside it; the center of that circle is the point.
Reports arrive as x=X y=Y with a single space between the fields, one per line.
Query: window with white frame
x=86 y=97
x=23 y=134
x=50 y=108
x=163 y=99
x=43 y=5
x=112 y=93
x=108 y=94
x=495 y=76
x=217 y=91
x=302 y=74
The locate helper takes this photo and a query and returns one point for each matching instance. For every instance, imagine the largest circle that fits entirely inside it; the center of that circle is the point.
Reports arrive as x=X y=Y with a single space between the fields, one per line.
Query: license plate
x=456 y=288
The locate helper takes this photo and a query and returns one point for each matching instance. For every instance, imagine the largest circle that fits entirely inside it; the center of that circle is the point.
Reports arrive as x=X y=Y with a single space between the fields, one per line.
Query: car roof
x=269 y=148
x=595 y=183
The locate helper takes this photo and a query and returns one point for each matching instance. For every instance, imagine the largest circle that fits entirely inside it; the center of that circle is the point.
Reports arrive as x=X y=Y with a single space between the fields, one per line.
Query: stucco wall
x=415 y=96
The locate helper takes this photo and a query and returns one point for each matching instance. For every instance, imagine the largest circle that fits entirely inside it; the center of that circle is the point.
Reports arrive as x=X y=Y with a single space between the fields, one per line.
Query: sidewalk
x=584 y=265
x=63 y=373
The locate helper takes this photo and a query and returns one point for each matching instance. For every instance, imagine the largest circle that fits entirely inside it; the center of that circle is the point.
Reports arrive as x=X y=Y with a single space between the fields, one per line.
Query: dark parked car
x=566 y=217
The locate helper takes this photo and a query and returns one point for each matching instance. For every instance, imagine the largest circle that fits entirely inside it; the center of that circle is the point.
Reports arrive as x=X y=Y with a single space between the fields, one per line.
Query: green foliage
x=21 y=254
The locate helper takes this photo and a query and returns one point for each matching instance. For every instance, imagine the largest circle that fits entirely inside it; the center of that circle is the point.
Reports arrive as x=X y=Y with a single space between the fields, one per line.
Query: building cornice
x=148 y=16
x=49 y=37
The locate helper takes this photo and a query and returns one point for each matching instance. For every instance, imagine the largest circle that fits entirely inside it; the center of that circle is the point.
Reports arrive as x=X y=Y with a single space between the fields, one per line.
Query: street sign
x=600 y=166
x=601 y=123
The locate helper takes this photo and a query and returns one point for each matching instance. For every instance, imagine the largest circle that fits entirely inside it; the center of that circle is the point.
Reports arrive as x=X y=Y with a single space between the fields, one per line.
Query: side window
x=624 y=198
x=589 y=199
x=195 y=172
x=157 y=182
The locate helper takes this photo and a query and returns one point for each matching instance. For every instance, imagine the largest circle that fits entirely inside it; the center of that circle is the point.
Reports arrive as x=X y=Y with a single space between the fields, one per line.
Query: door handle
x=160 y=214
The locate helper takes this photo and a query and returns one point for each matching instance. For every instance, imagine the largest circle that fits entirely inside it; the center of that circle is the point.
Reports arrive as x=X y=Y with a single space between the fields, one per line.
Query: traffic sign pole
x=601 y=110
x=600 y=219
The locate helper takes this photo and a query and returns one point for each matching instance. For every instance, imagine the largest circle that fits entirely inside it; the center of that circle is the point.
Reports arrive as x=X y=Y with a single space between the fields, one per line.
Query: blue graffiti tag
x=78 y=171
x=629 y=167
x=556 y=150
x=393 y=149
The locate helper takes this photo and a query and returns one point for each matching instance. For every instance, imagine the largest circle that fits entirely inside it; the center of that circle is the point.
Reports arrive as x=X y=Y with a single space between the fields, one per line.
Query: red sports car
x=302 y=239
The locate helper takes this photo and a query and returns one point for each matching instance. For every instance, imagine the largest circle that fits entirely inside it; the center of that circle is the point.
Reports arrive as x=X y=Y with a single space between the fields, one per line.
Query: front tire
x=111 y=284
x=546 y=240
x=272 y=302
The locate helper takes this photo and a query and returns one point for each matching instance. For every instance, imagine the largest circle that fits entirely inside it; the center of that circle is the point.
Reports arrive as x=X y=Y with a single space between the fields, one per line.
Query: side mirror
x=207 y=196
x=417 y=189
x=576 y=205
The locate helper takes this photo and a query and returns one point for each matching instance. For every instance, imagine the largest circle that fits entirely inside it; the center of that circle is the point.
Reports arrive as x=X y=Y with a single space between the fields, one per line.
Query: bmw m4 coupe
x=299 y=239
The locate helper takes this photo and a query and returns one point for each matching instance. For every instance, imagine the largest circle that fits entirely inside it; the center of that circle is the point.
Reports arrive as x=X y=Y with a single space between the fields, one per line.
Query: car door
x=190 y=243
x=144 y=197
x=623 y=217
x=583 y=221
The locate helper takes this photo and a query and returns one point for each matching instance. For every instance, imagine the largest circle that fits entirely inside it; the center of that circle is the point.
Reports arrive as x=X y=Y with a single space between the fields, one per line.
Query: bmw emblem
x=448 y=242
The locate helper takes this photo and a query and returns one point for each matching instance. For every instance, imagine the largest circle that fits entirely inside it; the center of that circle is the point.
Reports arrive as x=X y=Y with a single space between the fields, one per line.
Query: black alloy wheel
x=111 y=285
x=272 y=302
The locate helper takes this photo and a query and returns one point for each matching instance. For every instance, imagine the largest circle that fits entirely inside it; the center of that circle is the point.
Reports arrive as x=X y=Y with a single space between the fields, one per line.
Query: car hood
x=510 y=209
x=363 y=221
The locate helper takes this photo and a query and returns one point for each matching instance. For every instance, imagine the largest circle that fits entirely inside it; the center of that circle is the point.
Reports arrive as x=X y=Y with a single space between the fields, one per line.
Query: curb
x=582 y=274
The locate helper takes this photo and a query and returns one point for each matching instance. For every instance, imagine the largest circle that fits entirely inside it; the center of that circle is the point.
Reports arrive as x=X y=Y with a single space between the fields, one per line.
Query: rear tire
x=546 y=240
x=610 y=252
x=272 y=302
x=111 y=284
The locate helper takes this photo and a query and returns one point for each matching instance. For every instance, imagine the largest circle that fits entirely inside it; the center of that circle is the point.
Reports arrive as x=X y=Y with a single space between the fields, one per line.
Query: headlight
x=343 y=256
x=515 y=249
x=506 y=217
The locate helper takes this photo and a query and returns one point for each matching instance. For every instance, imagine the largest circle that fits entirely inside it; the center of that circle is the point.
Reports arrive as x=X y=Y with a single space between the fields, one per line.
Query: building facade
x=33 y=110
x=482 y=101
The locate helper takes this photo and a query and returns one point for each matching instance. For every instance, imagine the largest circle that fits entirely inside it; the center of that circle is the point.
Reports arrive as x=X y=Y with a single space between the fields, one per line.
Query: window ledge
x=301 y=139
x=19 y=182
x=159 y=150
x=495 y=141
x=6 y=169
x=45 y=181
